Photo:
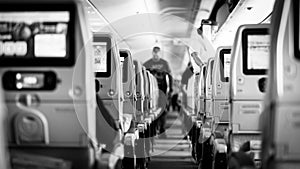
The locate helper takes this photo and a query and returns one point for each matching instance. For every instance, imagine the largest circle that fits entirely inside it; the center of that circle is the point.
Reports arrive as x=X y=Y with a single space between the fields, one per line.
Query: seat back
x=208 y=87
x=280 y=119
x=4 y=163
x=146 y=92
x=152 y=91
x=140 y=93
x=47 y=77
x=108 y=74
x=202 y=89
x=249 y=64
x=197 y=92
x=191 y=94
x=220 y=85
x=221 y=73
x=155 y=92
x=129 y=87
x=109 y=89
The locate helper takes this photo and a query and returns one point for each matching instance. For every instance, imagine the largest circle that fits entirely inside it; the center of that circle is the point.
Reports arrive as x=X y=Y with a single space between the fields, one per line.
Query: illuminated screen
x=50 y=45
x=37 y=34
x=225 y=59
x=45 y=32
x=296 y=24
x=296 y=29
x=100 y=56
x=226 y=63
x=258 y=52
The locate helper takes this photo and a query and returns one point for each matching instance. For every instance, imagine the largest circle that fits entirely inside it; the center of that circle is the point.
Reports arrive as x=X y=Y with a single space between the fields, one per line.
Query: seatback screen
x=102 y=55
x=37 y=36
x=225 y=61
x=124 y=60
x=226 y=64
x=100 y=58
x=256 y=51
x=296 y=29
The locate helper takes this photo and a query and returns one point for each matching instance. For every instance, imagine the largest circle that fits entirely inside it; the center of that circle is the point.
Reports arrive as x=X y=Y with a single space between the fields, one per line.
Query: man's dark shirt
x=159 y=69
x=160 y=65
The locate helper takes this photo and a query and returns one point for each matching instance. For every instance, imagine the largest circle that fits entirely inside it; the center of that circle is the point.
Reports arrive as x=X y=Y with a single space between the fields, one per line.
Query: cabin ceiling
x=141 y=24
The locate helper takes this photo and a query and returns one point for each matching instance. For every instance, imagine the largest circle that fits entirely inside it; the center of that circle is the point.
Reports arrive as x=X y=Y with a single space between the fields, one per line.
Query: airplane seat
x=206 y=138
x=109 y=117
x=129 y=89
x=155 y=92
x=157 y=109
x=206 y=130
x=154 y=108
x=51 y=118
x=129 y=109
x=189 y=112
x=220 y=88
x=197 y=91
x=140 y=93
x=197 y=121
x=162 y=88
x=208 y=89
x=202 y=90
x=249 y=64
x=163 y=85
x=139 y=80
x=198 y=132
x=146 y=92
x=220 y=108
x=151 y=96
x=280 y=117
x=4 y=160
x=191 y=96
x=187 y=99
x=148 y=121
x=150 y=116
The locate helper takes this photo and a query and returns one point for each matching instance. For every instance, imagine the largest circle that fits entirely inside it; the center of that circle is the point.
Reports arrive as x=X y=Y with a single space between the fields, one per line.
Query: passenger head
x=156 y=53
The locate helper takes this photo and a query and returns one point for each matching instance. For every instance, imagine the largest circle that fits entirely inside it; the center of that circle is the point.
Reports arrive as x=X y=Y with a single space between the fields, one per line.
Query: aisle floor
x=173 y=151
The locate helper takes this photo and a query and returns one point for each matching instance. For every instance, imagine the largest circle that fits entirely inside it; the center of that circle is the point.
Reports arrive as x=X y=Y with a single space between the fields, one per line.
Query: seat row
x=72 y=99
x=242 y=106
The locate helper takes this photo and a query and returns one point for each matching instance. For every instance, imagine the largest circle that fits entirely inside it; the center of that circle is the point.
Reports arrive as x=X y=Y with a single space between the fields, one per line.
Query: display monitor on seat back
x=297 y=29
x=256 y=48
x=37 y=34
x=102 y=56
x=225 y=60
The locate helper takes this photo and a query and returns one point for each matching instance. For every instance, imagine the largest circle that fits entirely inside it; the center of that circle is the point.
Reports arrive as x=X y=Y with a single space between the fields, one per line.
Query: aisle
x=173 y=151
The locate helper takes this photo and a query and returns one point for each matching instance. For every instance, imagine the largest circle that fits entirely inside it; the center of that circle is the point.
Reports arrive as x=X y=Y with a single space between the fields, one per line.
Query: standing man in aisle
x=160 y=69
